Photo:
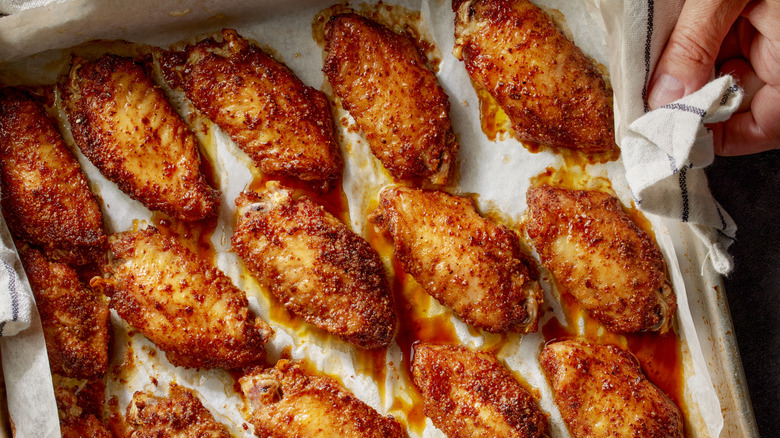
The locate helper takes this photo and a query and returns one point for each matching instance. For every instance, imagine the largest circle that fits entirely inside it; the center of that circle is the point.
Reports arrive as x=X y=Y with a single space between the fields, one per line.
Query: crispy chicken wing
x=284 y=125
x=45 y=196
x=470 y=394
x=601 y=392
x=551 y=92
x=316 y=266
x=597 y=254
x=383 y=81
x=188 y=308
x=75 y=319
x=467 y=262
x=180 y=415
x=75 y=421
x=286 y=402
x=123 y=123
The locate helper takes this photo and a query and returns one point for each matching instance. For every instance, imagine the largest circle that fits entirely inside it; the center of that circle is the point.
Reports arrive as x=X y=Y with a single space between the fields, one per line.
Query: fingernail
x=666 y=89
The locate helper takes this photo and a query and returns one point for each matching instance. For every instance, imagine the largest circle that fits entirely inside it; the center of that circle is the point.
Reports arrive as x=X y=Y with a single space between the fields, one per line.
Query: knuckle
x=693 y=48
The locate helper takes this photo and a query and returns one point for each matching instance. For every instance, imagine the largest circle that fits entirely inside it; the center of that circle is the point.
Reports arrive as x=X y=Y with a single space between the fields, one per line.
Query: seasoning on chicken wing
x=123 y=123
x=75 y=319
x=315 y=265
x=284 y=125
x=470 y=394
x=75 y=421
x=286 y=402
x=598 y=255
x=467 y=262
x=548 y=88
x=383 y=81
x=188 y=308
x=46 y=199
x=180 y=415
x=601 y=392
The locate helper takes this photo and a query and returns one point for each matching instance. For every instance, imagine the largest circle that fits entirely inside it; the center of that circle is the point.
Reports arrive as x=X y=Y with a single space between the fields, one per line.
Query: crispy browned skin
x=75 y=421
x=284 y=125
x=601 y=392
x=551 y=92
x=316 y=266
x=467 y=262
x=180 y=415
x=123 y=123
x=188 y=308
x=383 y=81
x=75 y=319
x=596 y=253
x=46 y=199
x=286 y=402
x=470 y=394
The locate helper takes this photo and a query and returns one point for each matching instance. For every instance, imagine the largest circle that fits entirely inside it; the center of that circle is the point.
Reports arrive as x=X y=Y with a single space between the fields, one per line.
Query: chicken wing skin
x=286 y=402
x=596 y=253
x=75 y=319
x=123 y=123
x=188 y=308
x=551 y=92
x=75 y=421
x=285 y=126
x=316 y=266
x=470 y=394
x=383 y=81
x=601 y=392
x=467 y=262
x=180 y=415
x=46 y=199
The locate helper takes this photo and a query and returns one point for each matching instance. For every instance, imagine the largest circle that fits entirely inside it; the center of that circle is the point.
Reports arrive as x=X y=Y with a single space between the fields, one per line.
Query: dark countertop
x=749 y=189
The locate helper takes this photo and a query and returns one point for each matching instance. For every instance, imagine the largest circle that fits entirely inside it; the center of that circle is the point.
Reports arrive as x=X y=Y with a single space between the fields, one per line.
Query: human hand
x=735 y=37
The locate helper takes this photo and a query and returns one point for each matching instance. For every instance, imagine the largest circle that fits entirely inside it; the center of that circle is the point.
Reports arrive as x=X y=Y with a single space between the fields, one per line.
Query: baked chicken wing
x=551 y=92
x=286 y=402
x=467 y=262
x=470 y=394
x=601 y=392
x=383 y=81
x=315 y=265
x=45 y=196
x=597 y=254
x=188 y=308
x=75 y=421
x=284 y=125
x=123 y=123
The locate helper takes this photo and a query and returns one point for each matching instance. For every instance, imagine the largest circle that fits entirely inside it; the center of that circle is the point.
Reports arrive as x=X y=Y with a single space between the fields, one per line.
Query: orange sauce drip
x=330 y=196
x=493 y=120
x=115 y=421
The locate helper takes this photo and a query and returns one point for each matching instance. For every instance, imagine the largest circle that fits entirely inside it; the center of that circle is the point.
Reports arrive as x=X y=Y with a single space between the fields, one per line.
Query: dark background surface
x=749 y=189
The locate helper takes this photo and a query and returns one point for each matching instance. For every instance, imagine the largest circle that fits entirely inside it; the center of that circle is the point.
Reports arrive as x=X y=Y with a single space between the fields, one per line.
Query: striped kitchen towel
x=15 y=294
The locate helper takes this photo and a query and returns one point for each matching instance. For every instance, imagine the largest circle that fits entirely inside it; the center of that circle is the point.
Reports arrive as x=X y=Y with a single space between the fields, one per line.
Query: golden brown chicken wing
x=284 y=125
x=123 y=123
x=188 y=308
x=467 y=262
x=180 y=415
x=315 y=265
x=598 y=255
x=45 y=196
x=551 y=92
x=601 y=392
x=383 y=81
x=470 y=394
x=75 y=421
x=286 y=402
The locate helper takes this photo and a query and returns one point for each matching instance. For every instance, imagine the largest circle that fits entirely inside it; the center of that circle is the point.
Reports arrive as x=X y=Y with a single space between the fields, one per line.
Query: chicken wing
x=284 y=125
x=123 y=123
x=383 y=81
x=550 y=91
x=315 y=265
x=75 y=421
x=188 y=308
x=467 y=262
x=75 y=319
x=598 y=255
x=46 y=199
x=470 y=394
x=601 y=392
x=180 y=415
x=286 y=402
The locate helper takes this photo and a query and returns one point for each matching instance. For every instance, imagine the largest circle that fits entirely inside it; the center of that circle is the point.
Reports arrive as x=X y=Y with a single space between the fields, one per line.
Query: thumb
x=689 y=57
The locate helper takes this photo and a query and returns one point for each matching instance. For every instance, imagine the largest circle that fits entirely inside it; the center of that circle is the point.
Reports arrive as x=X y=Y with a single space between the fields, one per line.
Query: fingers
x=746 y=78
x=754 y=131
